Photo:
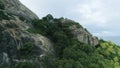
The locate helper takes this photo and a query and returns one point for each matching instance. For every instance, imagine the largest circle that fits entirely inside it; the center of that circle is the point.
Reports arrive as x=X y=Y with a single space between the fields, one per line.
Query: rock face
x=84 y=36
x=81 y=33
x=16 y=8
x=14 y=34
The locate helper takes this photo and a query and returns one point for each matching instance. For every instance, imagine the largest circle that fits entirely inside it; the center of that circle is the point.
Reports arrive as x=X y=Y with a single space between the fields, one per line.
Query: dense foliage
x=27 y=50
x=70 y=53
x=1 y=5
x=3 y=15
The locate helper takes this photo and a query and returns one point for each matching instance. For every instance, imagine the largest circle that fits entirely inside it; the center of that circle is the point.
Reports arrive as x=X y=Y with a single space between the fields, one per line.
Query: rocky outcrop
x=14 y=7
x=14 y=34
x=77 y=30
x=81 y=33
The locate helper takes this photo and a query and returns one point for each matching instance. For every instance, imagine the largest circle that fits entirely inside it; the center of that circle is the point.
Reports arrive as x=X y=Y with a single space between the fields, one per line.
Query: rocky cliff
x=14 y=34
x=16 y=42
x=81 y=33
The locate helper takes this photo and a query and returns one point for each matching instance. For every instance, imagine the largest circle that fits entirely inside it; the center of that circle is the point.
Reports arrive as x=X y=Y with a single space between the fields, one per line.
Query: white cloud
x=92 y=12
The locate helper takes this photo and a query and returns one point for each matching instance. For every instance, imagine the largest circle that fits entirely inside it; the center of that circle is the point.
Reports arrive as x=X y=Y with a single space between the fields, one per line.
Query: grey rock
x=14 y=7
x=14 y=36
x=83 y=35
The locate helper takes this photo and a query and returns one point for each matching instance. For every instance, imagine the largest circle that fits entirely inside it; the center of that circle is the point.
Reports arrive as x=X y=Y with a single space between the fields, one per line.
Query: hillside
x=29 y=42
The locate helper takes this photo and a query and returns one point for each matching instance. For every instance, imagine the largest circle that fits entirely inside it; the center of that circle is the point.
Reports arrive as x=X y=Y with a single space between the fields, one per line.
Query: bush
x=70 y=53
x=27 y=50
x=1 y=5
x=3 y=16
x=24 y=65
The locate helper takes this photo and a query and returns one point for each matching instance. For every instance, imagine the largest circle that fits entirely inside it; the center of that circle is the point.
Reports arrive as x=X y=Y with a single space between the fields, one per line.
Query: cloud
x=99 y=16
x=92 y=12
x=97 y=12
x=35 y=6
x=58 y=8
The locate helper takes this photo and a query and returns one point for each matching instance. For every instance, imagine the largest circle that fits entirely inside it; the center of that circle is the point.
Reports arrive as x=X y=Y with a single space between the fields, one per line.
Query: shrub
x=1 y=5
x=24 y=65
x=3 y=16
x=27 y=50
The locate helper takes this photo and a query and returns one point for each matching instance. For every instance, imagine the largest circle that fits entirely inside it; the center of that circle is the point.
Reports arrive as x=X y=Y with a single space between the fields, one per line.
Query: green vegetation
x=24 y=65
x=110 y=53
x=85 y=56
x=4 y=66
x=1 y=5
x=3 y=16
x=70 y=53
x=27 y=50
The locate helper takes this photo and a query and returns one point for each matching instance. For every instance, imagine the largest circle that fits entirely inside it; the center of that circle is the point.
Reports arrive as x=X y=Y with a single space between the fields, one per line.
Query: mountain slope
x=29 y=42
x=70 y=51
x=15 y=41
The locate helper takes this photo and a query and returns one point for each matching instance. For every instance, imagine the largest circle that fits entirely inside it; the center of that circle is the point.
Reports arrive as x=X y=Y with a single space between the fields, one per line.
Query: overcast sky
x=100 y=17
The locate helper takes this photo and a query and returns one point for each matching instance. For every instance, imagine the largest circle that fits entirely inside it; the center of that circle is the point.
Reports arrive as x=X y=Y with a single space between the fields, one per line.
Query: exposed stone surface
x=81 y=33
x=14 y=34
x=16 y=8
